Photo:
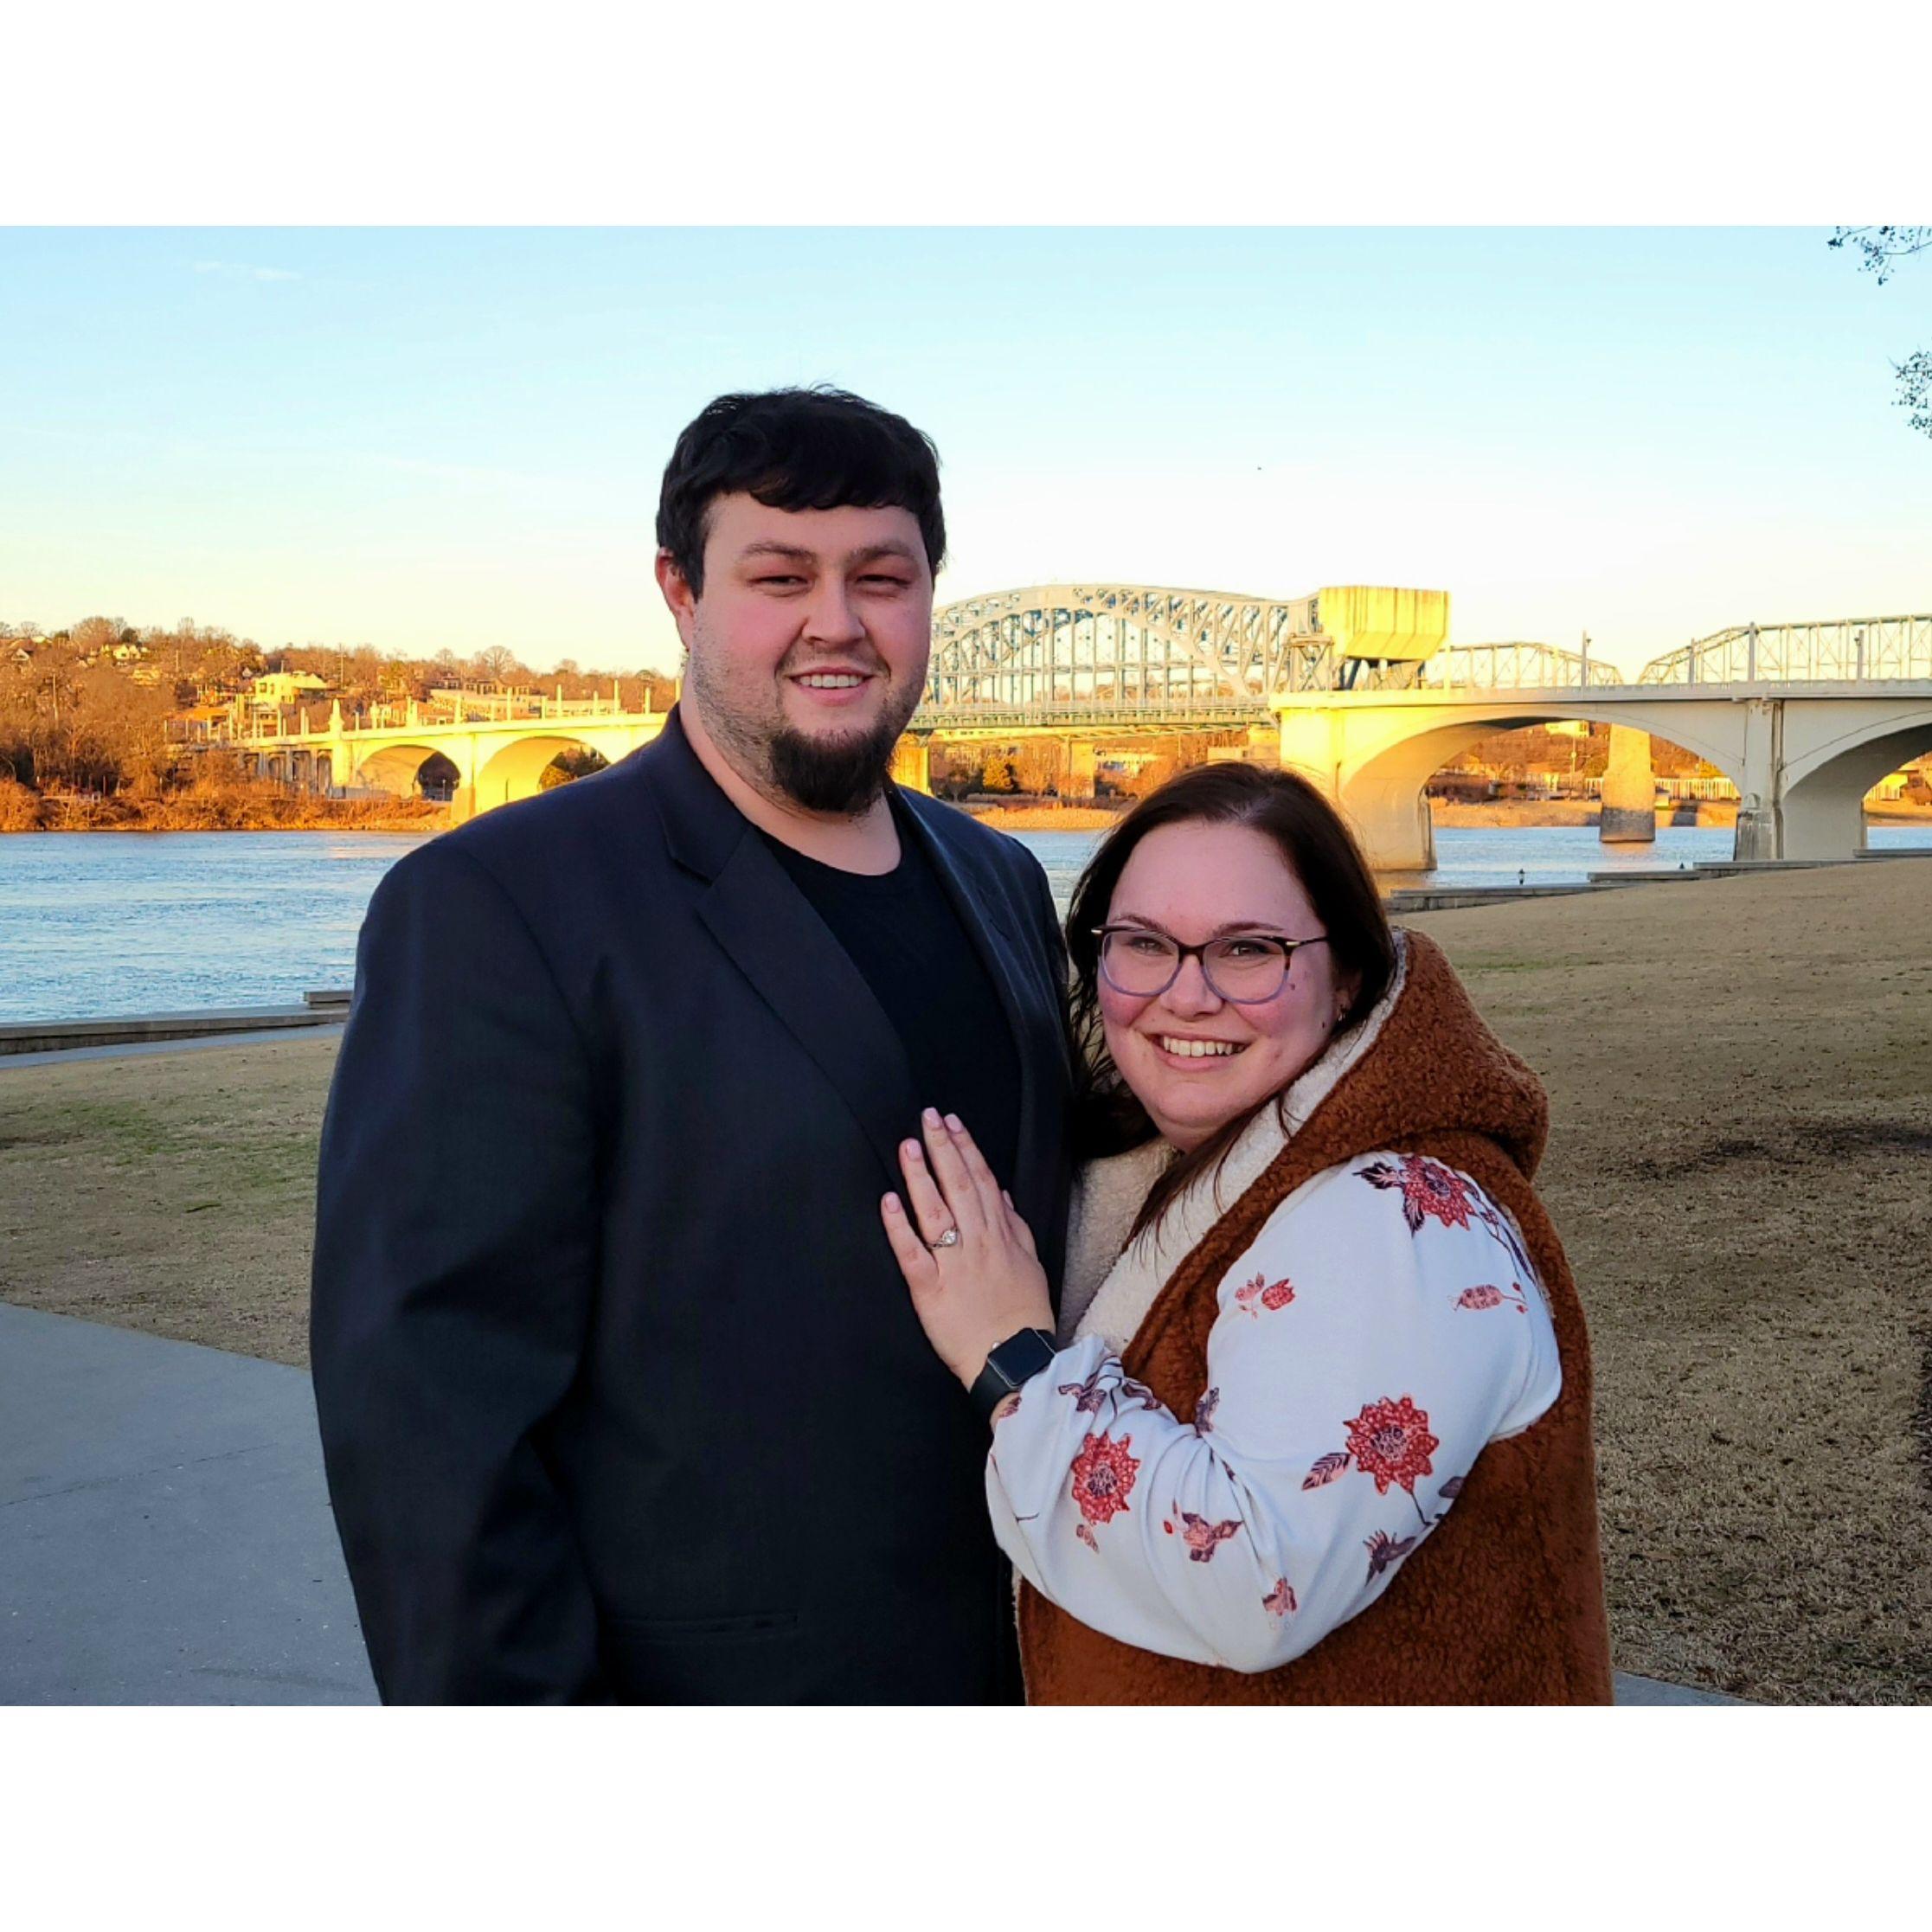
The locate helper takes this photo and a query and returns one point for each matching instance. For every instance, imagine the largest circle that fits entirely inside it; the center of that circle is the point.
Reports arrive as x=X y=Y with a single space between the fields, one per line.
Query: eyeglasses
x=1246 y=969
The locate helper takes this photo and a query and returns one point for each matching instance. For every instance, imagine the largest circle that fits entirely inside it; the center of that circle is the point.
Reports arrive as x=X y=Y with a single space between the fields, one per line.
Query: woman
x=1321 y=1433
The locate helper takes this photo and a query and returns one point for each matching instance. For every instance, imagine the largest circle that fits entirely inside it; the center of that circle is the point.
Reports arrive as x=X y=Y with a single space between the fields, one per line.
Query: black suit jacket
x=621 y=1393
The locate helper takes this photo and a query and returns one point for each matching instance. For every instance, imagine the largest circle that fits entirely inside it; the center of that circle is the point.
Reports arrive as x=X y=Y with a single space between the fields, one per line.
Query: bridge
x=1356 y=685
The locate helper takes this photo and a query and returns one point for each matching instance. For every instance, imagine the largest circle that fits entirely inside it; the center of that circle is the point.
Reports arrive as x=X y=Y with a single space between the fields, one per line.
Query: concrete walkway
x=165 y=1535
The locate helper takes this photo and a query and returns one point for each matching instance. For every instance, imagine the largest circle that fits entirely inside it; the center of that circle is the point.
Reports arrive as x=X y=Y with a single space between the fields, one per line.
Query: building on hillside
x=274 y=688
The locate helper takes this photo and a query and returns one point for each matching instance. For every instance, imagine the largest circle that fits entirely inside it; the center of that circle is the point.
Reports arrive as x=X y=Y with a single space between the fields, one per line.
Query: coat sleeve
x=455 y=1258
x=1357 y=1367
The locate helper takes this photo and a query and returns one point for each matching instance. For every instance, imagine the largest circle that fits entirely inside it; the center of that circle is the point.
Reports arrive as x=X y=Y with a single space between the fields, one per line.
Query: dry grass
x=172 y=1193
x=1739 y=1074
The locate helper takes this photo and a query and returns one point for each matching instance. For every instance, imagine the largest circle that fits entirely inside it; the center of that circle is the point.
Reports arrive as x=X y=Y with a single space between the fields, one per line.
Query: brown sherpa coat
x=1503 y=1602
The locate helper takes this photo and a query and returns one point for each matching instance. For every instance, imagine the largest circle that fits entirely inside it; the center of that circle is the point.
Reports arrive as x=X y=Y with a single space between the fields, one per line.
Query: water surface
x=100 y=923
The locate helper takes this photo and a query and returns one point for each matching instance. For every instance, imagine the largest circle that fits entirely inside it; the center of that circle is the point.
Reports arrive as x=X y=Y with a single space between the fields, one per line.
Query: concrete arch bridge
x=1802 y=759
x=500 y=747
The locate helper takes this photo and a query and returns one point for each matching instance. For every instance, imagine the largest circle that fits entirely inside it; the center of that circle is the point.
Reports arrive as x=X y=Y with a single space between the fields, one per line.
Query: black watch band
x=1017 y=1359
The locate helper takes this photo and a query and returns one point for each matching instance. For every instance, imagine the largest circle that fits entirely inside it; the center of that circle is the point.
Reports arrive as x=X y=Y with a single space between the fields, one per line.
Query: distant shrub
x=20 y=808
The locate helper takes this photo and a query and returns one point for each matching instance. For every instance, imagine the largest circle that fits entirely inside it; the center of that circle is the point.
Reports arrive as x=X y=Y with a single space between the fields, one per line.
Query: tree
x=496 y=664
x=1882 y=249
x=92 y=636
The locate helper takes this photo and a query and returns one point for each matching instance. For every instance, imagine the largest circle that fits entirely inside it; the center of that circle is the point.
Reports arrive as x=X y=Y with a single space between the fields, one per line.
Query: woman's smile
x=1197 y=1054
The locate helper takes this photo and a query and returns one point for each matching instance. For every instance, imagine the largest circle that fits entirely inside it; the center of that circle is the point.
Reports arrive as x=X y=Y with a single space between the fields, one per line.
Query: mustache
x=795 y=661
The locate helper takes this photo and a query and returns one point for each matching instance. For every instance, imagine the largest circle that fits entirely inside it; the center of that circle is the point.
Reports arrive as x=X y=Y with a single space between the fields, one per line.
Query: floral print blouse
x=1385 y=1325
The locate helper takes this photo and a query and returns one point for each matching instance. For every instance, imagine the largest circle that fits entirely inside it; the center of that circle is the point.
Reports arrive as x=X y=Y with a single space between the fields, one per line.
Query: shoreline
x=1503 y=814
x=64 y=816
x=237 y=812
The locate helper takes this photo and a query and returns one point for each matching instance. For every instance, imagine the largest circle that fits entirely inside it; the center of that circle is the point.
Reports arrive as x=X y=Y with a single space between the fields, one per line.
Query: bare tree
x=496 y=663
x=1882 y=249
x=92 y=636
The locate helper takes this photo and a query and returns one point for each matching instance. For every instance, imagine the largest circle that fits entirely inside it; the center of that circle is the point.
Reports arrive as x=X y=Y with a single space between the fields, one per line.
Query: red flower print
x=1384 y=1550
x=1280 y=1599
x=1202 y=1537
x=1391 y=1442
x=1327 y=1469
x=1428 y=1190
x=1103 y=1475
x=1087 y=1536
x=1490 y=1296
x=1008 y=1405
x=1269 y=1294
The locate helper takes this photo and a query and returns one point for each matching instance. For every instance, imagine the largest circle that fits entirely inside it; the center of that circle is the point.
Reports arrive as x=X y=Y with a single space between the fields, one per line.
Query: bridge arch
x=395 y=768
x=515 y=770
x=1821 y=808
x=1376 y=764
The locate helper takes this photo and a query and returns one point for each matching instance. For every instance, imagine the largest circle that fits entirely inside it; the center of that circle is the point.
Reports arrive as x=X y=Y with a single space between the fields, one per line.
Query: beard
x=839 y=774
x=842 y=776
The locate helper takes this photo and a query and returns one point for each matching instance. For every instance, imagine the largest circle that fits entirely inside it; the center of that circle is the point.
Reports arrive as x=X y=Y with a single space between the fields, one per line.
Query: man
x=621 y=1394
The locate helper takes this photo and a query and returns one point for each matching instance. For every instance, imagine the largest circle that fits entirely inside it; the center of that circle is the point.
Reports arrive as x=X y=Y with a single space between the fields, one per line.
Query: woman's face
x=1195 y=882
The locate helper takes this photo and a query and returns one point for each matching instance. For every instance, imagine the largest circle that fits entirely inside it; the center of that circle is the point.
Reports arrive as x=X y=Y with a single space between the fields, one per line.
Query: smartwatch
x=1017 y=1359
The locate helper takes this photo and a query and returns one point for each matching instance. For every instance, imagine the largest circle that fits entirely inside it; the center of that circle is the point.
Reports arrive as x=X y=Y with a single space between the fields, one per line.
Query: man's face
x=808 y=644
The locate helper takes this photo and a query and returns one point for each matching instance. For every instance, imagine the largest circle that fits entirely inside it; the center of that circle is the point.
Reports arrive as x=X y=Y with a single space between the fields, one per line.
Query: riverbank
x=214 y=808
x=1498 y=813
x=1739 y=1081
x=246 y=808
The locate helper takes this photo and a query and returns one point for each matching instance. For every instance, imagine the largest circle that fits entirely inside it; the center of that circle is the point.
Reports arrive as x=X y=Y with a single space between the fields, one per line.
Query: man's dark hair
x=796 y=449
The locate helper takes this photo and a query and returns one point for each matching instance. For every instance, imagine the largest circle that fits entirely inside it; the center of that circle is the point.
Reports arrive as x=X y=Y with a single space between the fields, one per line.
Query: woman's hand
x=971 y=1294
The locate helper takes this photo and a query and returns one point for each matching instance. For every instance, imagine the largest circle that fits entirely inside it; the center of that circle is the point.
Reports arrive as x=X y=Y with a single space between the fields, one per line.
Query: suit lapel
x=782 y=946
x=784 y=950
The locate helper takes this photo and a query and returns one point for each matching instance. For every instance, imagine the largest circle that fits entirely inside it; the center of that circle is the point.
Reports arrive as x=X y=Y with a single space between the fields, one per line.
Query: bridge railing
x=1515 y=666
x=1099 y=709
x=1830 y=652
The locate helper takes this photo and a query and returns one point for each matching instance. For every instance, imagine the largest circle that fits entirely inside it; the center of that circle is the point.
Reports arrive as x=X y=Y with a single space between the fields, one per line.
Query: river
x=100 y=923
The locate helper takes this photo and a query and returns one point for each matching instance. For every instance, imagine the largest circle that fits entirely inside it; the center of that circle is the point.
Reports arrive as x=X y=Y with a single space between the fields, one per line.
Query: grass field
x=1741 y=1081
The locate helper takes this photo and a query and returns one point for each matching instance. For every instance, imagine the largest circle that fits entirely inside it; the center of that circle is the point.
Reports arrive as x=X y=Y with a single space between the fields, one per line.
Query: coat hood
x=1425 y=1063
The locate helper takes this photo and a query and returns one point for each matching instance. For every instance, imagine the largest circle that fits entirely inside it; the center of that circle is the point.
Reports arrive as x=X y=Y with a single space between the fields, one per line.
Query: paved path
x=135 y=1050
x=165 y=1535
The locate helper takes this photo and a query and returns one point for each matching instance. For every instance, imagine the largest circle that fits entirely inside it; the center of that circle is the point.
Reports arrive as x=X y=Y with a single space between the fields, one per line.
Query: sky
x=454 y=437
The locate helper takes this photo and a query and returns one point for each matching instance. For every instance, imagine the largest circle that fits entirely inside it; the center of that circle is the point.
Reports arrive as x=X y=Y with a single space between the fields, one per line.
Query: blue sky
x=420 y=438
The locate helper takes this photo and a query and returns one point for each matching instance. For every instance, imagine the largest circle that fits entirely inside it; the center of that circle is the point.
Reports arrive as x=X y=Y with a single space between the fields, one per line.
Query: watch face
x=1020 y=1357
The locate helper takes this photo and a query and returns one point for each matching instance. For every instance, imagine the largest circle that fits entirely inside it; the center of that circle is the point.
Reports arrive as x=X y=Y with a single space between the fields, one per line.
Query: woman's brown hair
x=1315 y=845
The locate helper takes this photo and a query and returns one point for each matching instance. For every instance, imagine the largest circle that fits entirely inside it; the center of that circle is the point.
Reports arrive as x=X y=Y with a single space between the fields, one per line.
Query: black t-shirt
x=902 y=933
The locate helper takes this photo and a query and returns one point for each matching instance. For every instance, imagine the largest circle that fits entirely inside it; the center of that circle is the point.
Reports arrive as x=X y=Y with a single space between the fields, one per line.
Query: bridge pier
x=912 y=764
x=1389 y=813
x=1629 y=811
x=1080 y=766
